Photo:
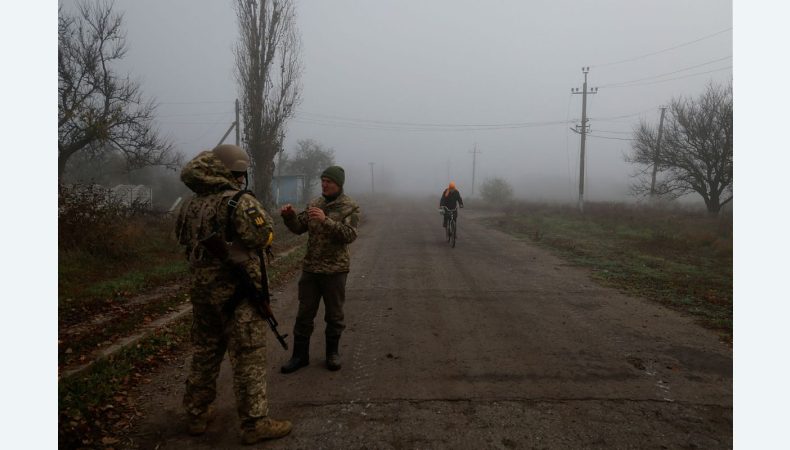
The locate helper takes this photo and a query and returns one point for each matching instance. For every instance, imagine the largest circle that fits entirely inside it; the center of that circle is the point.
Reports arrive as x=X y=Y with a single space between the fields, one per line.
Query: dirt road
x=493 y=344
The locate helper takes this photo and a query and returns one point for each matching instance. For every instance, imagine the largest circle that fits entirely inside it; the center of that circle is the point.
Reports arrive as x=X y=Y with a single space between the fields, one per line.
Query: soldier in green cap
x=331 y=222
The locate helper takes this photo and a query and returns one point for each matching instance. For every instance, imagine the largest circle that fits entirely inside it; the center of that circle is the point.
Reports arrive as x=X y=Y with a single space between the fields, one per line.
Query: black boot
x=332 y=356
x=301 y=356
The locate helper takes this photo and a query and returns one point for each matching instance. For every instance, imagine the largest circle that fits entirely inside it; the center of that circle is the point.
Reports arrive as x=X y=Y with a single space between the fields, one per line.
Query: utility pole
x=474 y=152
x=372 y=185
x=238 y=135
x=657 y=154
x=582 y=129
x=233 y=125
x=279 y=161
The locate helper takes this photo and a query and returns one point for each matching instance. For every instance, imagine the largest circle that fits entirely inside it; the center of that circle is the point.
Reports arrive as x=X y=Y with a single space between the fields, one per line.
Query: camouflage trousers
x=312 y=287
x=242 y=333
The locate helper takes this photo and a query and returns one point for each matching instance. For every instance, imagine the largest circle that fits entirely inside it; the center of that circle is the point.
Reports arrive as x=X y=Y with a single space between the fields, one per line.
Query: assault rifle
x=260 y=299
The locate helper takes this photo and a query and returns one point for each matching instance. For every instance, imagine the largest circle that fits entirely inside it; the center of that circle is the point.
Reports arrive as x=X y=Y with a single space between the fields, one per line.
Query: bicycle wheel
x=454 y=233
x=448 y=230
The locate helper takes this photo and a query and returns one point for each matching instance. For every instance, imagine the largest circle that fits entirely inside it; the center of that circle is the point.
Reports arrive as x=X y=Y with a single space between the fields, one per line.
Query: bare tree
x=268 y=70
x=696 y=150
x=310 y=160
x=98 y=109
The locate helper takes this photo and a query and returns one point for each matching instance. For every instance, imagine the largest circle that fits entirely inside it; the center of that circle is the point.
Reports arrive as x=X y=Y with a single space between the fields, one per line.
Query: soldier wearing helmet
x=450 y=199
x=223 y=318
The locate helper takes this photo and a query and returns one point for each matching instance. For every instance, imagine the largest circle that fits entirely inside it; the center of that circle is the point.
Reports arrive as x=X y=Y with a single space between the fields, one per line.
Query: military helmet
x=233 y=157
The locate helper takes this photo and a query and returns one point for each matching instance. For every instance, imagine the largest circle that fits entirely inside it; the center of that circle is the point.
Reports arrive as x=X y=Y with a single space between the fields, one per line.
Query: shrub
x=496 y=190
x=92 y=220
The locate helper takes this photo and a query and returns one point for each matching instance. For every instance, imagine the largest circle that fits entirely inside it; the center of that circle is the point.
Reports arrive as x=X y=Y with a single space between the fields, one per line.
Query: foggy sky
x=372 y=66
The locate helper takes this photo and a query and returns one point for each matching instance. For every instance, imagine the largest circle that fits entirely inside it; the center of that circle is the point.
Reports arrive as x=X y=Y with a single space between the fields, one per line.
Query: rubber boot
x=266 y=429
x=301 y=355
x=332 y=355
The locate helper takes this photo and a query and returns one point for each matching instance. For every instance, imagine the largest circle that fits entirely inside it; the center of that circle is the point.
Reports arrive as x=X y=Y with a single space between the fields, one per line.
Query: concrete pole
x=238 y=135
x=583 y=141
x=658 y=153
x=372 y=184
x=583 y=132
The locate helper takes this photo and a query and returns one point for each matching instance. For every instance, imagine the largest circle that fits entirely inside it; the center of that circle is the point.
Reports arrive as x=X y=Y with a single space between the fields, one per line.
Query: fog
x=414 y=86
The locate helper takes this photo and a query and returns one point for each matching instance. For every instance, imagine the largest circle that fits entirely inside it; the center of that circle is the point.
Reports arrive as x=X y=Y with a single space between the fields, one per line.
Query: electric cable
x=621 y=83
x=635 y=58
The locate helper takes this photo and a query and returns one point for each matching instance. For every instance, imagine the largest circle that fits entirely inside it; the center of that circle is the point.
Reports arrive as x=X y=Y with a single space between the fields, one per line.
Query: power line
x=367 y=124
x=329 y=118
x=398 y=126
x=613 y=118
x=667 y=73
x=672 y=79
x=197 y=114
x=189 y=123
x=192 y=102
x=635 y=58
x=609 y=137
x=614 y=132
x=395 y=126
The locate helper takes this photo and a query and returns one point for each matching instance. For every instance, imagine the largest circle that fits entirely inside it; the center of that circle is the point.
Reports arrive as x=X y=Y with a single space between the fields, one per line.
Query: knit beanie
x=336 y=174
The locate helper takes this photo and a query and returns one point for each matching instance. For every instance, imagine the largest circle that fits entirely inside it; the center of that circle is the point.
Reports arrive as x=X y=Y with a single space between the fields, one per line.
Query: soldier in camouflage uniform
x=331 y=221
x=223 y=317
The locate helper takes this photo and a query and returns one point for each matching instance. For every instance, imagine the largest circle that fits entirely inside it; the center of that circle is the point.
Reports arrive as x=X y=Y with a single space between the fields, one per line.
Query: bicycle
x=452 y=228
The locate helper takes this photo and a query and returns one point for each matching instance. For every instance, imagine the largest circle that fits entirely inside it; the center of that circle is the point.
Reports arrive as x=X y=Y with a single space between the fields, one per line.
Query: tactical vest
x=212 y=214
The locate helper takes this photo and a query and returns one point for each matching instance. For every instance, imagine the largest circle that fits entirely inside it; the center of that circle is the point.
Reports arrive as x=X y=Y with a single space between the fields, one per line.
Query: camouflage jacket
x=206 y=212
x=327 y=245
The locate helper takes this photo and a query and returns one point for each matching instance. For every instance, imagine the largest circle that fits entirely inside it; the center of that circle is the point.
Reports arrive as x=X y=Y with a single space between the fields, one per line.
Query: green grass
x=144 y=255
x=679 y=258
x=137 y=280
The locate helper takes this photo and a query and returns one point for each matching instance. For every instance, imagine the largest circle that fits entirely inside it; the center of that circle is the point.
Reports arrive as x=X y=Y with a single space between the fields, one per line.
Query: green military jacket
x=327 y=244
x=207 y=211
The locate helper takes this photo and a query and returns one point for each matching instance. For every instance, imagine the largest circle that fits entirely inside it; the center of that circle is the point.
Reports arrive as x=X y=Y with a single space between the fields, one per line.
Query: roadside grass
x=96 y=407
x=91 y=282
x=78 y=348
x=287 y=265
x=681 y=258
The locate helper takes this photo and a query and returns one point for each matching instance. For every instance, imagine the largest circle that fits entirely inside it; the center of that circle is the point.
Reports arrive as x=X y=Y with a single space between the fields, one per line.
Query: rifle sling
x=233 y=203
x=230 y=233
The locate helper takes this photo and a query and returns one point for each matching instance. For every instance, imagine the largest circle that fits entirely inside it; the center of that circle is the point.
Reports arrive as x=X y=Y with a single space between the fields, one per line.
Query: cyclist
x=450 y=199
